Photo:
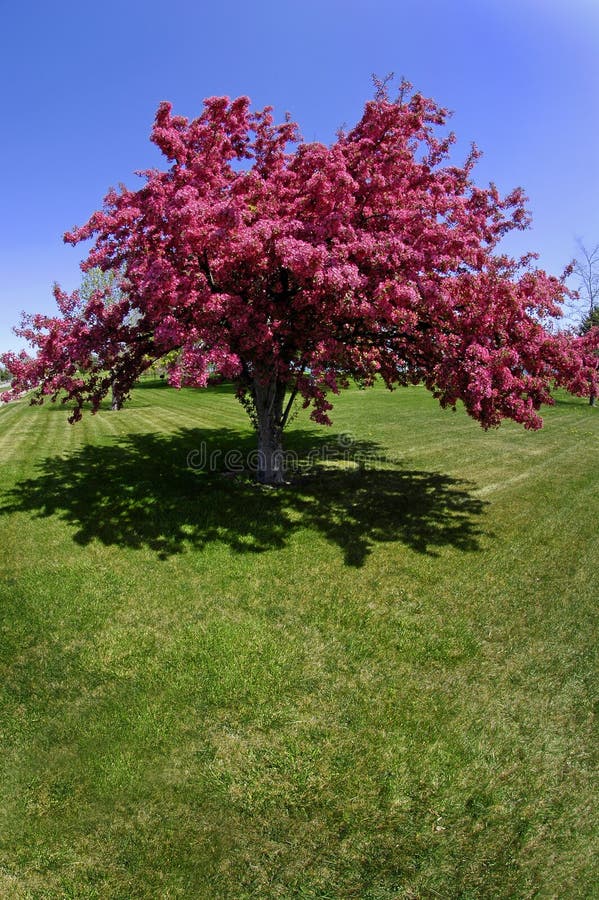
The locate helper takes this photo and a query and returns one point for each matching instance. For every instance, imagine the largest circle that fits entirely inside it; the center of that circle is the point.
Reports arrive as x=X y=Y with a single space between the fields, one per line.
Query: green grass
x=376 y=683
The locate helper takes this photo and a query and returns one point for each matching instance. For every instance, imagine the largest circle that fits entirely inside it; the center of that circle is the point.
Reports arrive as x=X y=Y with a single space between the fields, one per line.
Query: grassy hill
x=376 y=683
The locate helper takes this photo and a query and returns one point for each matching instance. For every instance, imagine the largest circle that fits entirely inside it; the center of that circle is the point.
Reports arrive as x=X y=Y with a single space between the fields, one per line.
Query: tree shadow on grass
x=171 y=492
x=571 y=400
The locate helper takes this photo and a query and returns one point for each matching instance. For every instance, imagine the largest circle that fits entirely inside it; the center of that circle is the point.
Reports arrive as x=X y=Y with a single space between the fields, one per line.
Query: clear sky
x=81 y=83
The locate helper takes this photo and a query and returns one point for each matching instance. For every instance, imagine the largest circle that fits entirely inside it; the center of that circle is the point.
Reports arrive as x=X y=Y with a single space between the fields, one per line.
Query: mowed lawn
x=375 y=683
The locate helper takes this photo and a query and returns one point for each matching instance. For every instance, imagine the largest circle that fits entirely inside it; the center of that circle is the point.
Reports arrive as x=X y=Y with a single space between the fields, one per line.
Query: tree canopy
x=294 y=266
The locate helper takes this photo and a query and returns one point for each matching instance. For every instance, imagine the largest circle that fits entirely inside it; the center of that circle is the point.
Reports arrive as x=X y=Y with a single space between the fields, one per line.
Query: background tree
x=292 y=267
x=586 y=270
x=590 y=321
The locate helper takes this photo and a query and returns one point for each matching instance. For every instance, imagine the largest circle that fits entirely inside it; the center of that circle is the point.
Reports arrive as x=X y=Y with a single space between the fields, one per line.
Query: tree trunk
x=269 y=412
x=117 y=400
x=592 y=399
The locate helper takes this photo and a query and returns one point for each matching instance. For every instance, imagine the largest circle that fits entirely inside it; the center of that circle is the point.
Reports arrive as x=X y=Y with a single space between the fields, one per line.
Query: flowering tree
x=293 y=267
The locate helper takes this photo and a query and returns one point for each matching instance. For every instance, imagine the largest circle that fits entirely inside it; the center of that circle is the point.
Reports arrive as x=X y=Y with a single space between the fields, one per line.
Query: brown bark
x=269 y=399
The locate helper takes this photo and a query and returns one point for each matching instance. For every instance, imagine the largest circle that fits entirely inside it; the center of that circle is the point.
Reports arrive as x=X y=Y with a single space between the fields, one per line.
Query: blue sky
x=81 y=83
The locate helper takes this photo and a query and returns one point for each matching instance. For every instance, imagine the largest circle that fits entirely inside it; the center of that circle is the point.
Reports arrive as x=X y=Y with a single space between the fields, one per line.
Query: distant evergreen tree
x=590 y=321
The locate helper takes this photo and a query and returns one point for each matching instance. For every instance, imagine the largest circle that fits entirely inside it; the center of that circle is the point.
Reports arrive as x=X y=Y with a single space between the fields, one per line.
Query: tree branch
x=287 y=411
x=208 y=272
